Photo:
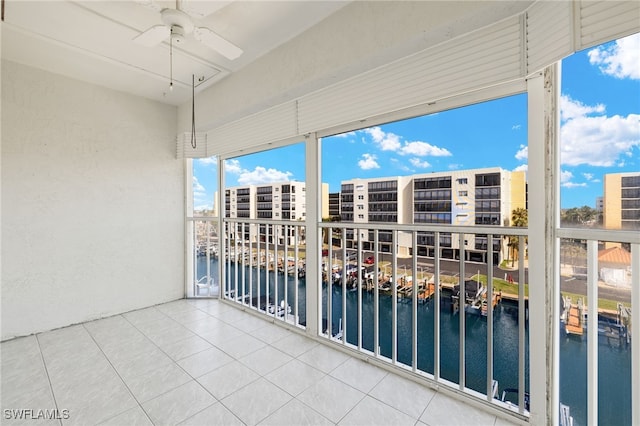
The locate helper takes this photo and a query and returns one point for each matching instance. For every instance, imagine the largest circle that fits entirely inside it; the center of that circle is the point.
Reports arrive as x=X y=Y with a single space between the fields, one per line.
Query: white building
x=278 y=201
x=484 y=196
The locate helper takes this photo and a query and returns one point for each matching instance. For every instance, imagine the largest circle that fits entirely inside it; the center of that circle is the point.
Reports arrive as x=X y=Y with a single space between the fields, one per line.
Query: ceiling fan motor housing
x=179 y=22
x=177 y=34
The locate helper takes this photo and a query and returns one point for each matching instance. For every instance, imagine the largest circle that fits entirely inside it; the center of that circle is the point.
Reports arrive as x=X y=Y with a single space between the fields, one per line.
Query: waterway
x=614 y=362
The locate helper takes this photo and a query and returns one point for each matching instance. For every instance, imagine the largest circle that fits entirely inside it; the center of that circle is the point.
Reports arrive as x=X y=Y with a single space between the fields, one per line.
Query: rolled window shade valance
x=186 y=148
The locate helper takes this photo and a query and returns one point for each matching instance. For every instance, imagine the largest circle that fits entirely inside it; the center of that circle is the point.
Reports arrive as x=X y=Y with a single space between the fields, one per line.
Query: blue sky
x=600 y=133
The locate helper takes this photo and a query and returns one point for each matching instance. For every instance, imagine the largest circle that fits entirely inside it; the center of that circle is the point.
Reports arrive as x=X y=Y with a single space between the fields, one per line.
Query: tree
x=584 y=215
x=519 y=218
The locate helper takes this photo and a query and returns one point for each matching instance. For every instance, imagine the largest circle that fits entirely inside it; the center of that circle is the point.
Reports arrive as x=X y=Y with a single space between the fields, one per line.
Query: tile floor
x=203 y=362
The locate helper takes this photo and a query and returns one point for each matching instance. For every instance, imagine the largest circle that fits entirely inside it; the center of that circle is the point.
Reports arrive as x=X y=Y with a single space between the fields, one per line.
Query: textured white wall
x=92 y=202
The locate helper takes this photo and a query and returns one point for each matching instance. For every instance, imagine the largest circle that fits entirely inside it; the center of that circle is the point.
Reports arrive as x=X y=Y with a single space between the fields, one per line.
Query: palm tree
x=519 y=218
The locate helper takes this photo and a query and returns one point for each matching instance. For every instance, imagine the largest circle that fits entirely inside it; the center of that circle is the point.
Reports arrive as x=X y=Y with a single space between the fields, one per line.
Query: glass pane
x=421 y=171
x=600 y=137
x=614 y=333
x=266 y=261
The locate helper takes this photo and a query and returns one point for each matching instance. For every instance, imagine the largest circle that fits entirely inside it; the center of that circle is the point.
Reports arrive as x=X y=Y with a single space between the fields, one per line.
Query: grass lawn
x=507 y=288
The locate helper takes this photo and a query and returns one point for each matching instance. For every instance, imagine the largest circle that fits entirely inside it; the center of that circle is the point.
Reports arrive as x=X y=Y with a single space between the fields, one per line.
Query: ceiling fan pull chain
x=193 y=112
x=171 y=60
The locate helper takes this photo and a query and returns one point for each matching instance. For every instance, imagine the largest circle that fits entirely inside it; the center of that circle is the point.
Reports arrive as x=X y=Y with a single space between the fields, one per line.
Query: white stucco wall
x=92 y=202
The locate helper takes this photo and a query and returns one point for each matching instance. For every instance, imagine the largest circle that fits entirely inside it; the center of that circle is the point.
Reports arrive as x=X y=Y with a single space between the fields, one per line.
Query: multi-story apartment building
x=334 y=205
x=621 y=201
x=466 y=198
x=276 y=201
x=378 y=200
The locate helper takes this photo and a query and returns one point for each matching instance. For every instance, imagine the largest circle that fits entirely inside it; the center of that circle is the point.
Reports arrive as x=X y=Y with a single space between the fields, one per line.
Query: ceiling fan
x=177 y=25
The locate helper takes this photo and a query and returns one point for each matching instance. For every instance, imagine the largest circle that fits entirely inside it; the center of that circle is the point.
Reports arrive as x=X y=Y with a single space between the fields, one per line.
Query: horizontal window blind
x=185 y=146
x=504 y=52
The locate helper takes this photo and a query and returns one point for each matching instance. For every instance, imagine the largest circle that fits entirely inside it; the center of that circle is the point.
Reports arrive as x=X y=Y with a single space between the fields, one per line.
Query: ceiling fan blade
x=153 y=36
x=217 y=43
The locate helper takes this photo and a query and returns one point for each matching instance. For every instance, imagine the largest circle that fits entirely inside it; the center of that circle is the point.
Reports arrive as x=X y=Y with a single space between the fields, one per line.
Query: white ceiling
x=93 y=40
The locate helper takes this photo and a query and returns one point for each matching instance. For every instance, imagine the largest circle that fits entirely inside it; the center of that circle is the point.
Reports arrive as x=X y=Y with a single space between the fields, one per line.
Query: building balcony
x=407 y=318
x=206 y=362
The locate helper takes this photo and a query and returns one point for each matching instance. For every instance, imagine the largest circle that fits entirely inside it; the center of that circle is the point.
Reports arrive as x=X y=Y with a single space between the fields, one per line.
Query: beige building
x=484 y=197
x=621 y=201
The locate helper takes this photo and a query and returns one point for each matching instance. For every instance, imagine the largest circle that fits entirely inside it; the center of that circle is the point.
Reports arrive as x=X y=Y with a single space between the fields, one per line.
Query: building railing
x=603 y=268
x=418 y=313
x=264 y=267
x=462 y=325
x=202 y=249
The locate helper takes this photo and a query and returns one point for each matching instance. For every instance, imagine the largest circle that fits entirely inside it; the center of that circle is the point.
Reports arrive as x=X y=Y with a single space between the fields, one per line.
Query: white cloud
x=416 y=162
x=197 y=186
x=516 y=127
x=402 y=165
x=574 y=185
x=233 y=166
x=263 y=175
x=210 y=160
x=423 y=149
x=392 y=142
x=522 y=168
x=620 y=60
x=256 y=176
x=596 y=140
x=565 y=176
x=455 y=166
x=570 y=108
x=523 y=153
x=565 y=180
x=344 y=135
x=588 y=176
x=200 y=195
x=368 y=162
x=386 y=141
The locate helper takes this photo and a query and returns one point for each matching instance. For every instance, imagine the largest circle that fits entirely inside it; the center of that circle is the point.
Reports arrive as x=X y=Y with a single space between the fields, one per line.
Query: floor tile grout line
x=308 y=406
x=46 y=371
x=335 y=368
x=234 y=358
x=168 y=356
x=195 y=379
x=122 y=380
x=177 y=365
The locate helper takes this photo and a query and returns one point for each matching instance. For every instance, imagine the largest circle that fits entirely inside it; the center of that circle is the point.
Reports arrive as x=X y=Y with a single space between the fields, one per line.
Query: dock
x=496 y=299
x=574 y=317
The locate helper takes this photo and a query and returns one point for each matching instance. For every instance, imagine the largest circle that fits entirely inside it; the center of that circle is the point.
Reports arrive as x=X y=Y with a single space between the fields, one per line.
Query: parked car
x=369 y=260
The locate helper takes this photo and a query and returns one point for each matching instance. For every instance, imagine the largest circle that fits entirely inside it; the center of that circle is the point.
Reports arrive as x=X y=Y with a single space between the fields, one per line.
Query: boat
x=338 y=334
x=565 y=415
x=270 y=307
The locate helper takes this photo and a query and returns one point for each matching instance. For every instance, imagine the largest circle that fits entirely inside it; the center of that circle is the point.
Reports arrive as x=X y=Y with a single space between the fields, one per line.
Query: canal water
x=614 y=382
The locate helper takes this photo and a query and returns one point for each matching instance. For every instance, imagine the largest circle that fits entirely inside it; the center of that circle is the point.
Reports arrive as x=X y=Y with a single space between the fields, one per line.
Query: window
x=461 y=181
x=491 y=179
x=462 y=193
